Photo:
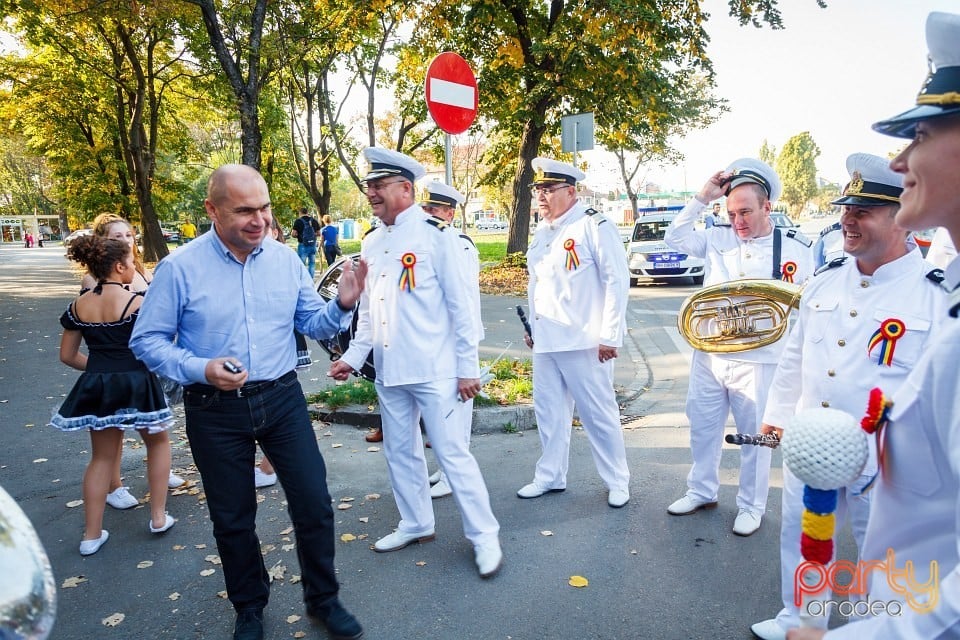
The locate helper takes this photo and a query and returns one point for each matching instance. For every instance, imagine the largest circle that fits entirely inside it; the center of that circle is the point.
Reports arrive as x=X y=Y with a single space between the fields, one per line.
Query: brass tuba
x=739 y=315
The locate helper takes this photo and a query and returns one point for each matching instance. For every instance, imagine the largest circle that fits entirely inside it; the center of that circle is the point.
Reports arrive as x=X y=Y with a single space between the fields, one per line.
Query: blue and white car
x=649 y=256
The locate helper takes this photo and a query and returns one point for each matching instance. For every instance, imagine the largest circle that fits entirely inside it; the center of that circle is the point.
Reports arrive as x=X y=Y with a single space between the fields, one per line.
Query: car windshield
x=647 y=231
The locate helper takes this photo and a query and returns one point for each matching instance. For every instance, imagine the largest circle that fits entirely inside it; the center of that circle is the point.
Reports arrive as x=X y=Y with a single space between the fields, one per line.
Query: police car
x=650 y=257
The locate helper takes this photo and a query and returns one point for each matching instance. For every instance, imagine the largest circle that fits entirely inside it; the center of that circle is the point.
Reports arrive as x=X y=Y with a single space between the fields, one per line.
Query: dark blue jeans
x=223 y=431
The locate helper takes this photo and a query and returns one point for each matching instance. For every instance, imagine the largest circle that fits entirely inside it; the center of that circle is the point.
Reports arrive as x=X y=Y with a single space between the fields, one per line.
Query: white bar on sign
x=456 y=95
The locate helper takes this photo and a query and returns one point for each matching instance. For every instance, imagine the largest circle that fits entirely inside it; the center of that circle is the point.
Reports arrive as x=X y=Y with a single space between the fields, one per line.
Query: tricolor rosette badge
x=573 y=260
x=886 y=338
x=788 y=271
x=407 y=280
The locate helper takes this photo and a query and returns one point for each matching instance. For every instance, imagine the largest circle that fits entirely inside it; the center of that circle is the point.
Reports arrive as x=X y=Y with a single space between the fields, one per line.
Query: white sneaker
x=747 y=522
x=435 y=476
x=261 y=479
x=534 y=490
x=618 y=498
x=689 y=504
x=90 y=547
x=440 y=490
x=119 y=498
x=489 y=558
x=769 y=630
x=175 y=481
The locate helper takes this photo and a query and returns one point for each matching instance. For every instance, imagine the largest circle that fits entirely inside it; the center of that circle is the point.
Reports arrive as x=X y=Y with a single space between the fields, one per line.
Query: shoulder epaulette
x=468 y=239
x=953 y=302
x=833 y=264
x=836 y=226
x=369 y=231
x=596 y=216
x=935 y=276
x=437 y=222
x=799 y=237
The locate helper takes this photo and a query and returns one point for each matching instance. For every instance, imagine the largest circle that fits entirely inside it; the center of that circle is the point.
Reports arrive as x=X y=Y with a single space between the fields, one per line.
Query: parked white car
x=491 y=224
x=650 y=257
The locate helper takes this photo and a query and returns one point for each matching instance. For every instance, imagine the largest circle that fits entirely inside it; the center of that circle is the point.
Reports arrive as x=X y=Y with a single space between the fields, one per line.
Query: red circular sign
x=452 y=97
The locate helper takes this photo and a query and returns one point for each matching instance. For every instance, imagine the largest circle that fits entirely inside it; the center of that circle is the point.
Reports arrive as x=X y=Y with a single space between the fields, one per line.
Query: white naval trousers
x=560 y=380
x=718 y=387
x=403 y=446
x=851 y=508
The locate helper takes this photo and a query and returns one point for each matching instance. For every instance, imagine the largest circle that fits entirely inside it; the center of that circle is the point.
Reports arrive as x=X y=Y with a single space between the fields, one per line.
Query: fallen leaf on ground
x=344 y=505
x=578 y=581
x=421 y=563
x=336 y=445
x=373 y=449
x=208 y=572
x=364 y=519
x=347 y=499
x=300 y=634
x=288 y=547
x=295 y=579
x=174 y=596
x=348 y=537
x=222 y=595
x=145 y=564
x=114 y=620
x=69 y=583
x=287 y=531
x=199 y=546
x=292 y=619
x=372 y=496
x=546 y=533
x=179 y=547
x=74 y=503
x=276 y=572
x=38 y=460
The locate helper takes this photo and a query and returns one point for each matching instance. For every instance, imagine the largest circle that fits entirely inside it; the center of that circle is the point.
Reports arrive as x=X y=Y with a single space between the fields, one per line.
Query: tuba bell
x=739 y=315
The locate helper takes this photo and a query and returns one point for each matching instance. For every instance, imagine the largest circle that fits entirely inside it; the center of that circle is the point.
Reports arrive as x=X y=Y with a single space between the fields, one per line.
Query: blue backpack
x=307 y=234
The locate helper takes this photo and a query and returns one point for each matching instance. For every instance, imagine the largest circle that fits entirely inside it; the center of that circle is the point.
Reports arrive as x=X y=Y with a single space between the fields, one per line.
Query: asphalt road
x=650 y=575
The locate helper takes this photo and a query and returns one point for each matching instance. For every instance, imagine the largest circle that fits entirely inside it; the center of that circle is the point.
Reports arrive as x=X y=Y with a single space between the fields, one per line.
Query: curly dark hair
x=97 y=254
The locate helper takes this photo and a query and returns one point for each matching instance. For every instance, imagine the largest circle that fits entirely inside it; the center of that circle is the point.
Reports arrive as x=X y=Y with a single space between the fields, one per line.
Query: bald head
x=225 y=176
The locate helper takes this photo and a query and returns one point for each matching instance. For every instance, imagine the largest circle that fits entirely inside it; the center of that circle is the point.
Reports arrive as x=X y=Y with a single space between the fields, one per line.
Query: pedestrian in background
x=331 y=249
x=305 y=230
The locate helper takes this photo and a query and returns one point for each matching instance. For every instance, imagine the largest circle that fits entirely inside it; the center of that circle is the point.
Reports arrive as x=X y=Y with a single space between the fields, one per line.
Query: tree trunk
x=519 y=234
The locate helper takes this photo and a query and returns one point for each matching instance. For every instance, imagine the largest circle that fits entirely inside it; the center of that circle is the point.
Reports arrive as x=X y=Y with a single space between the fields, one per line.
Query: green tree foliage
x=768 y=153
x=538 y=61
x=797 y=167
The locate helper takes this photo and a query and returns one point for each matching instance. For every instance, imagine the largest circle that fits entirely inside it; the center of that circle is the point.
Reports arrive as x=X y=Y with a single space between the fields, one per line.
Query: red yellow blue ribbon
x=886 y=337
x=573 y=261
x=407 y=281
x=788 y=271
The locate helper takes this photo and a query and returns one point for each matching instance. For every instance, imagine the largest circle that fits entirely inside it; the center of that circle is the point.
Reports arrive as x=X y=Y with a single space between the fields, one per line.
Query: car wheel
x=697 y=279
x=634 y=282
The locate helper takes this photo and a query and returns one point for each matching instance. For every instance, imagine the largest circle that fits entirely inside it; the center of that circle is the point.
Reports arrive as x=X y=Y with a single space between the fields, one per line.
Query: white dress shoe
x=174 y=481
x=261 y=479
x=400 y=539
x=169 y=522
x=440 y=490
x=489 y=558
x=90 y=547
x=618 y=497
x=534 y=490
x=120 y=498
x=747 y=522
x=689 y=504
x=435 y=476
x=768 y=630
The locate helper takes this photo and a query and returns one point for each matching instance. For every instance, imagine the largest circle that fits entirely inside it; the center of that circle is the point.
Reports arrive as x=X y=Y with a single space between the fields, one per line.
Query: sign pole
x=448 y=161
x=576 y=134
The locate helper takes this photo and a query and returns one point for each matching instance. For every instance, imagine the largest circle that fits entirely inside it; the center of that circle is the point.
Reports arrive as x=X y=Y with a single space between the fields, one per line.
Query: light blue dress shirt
x=203 y=303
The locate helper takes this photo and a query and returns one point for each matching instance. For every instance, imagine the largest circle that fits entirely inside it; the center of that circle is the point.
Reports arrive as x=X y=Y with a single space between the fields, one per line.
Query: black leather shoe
x=339 y=622
x=249 y=625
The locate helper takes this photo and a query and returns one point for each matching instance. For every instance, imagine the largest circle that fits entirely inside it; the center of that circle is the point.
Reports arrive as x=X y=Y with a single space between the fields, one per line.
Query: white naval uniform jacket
x=916 y=504
x=421 y=330
x=729 y=258
x=472 y=277
x=578 y=283
x=827 y=360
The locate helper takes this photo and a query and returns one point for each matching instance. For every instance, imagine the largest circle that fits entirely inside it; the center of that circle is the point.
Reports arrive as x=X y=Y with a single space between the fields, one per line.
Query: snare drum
x=337 y=345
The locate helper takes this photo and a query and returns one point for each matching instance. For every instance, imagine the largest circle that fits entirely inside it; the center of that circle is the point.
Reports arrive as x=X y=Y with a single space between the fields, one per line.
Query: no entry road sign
x=451 y=93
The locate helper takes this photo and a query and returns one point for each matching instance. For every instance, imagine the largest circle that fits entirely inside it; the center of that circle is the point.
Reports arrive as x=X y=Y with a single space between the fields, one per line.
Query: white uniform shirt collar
x=895 y=268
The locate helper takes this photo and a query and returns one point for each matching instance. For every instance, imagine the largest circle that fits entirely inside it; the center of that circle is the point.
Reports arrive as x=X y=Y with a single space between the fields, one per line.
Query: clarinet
x=526 y=325
x=766 y=440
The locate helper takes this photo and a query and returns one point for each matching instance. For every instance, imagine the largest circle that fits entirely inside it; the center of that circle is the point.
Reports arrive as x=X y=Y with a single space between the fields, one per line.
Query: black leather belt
x=247 y=390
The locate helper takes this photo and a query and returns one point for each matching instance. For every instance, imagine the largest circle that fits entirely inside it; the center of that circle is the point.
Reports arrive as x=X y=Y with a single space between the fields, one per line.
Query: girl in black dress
x=116 y=392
